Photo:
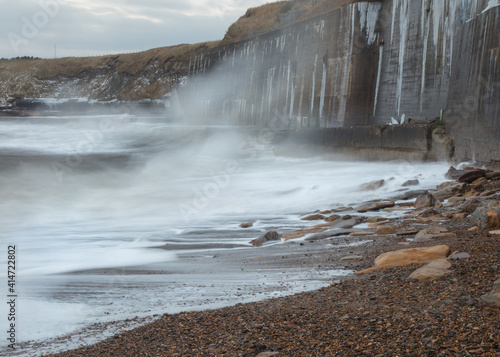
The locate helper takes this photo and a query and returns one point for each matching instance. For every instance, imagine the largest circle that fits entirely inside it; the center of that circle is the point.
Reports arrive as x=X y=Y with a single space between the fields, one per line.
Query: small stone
x=268 y=237
x=425 y=201
x=459 y=216
x=385 y=230
x=432 y=271
x=247 y=225
x=495 y=232
x=332 y=218
x=459 y=256
x=372 y=186
x=268 y=354
x=313 y=217
x=479 y=180
x=352 y=258
x=473 y=229
x=449 y=191
x=411 y=183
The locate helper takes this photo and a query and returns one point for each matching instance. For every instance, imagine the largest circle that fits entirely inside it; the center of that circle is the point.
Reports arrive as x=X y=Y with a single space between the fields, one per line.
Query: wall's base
x=398 y=142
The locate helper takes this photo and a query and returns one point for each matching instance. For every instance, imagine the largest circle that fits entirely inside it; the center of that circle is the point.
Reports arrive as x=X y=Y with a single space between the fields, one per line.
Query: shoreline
x=370 y=292
x=379 y=313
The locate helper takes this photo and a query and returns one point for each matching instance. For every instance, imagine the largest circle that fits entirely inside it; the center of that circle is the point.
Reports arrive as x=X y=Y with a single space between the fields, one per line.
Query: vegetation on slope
x=148 y=74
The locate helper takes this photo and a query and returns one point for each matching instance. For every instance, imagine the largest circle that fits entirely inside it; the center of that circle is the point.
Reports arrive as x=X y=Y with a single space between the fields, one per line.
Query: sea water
x=85 y=199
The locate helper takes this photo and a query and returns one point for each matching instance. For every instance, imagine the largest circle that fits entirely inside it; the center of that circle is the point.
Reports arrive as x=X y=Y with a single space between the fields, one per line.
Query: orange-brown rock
x=313 y=217
x=492 y=219
x=409 y=256
x=432 y=271
x=385 y=230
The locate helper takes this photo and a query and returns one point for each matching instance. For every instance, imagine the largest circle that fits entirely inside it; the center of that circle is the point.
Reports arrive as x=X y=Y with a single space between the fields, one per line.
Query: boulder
x=411 y=183
x=376 y=206
x=372 y=186
x=409 y=256
x=429 y=234
x=432 y=271
x=425 y=201
x=385 y=230
x=268 y=237
x=471 y=176
x=486 y=215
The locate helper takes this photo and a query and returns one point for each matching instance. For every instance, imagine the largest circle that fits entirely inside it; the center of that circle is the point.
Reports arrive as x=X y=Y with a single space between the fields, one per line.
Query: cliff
x=144 y=75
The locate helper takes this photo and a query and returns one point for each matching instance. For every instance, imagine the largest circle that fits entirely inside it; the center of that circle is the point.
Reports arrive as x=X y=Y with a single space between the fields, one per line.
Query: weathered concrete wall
x=473 y=114
x=315 y=74
x=367 y=63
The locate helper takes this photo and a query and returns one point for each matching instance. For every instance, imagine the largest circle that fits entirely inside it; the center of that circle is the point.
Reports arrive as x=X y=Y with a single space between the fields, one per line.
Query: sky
x=61 y=28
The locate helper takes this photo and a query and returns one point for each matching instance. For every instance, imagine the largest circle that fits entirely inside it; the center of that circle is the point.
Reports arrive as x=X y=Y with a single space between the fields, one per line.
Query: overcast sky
x=95 y=27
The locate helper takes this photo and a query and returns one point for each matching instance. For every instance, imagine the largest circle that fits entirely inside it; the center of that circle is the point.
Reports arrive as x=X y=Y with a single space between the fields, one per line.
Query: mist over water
x=93 y=192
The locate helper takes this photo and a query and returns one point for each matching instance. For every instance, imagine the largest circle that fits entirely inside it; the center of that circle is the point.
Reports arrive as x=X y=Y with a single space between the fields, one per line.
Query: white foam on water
x=148 y=183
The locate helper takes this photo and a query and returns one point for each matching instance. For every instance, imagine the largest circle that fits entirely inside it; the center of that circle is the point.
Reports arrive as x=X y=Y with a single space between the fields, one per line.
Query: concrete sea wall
x=366 y=64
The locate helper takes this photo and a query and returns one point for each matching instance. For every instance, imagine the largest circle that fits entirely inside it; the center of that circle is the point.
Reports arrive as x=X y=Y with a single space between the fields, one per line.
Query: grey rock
x=372 y=186
x=448 y=191
x=459 y=256
x=425 y=201
x=411 y=183
x=470 y=205
x=344 y=224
